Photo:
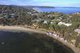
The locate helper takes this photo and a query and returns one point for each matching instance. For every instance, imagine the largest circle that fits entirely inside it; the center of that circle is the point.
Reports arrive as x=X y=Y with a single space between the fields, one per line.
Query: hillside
x=15 y=15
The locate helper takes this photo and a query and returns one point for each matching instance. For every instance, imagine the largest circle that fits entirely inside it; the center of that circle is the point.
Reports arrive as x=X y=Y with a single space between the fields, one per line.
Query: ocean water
x=65 y=10
x=21 y=42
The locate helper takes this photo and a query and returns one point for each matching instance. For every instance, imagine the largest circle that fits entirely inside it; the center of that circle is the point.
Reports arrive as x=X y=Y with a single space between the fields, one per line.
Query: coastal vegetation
x=62 y=24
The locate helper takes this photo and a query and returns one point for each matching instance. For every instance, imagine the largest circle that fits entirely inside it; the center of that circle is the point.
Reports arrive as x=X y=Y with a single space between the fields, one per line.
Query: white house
x=63 y=23
x=77 y=30
x=45 y=22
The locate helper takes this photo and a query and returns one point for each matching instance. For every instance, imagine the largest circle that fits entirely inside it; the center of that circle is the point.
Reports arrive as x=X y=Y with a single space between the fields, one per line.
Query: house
x=77 y=30
x=77 y=43
x=66 y=24
x=45 y=22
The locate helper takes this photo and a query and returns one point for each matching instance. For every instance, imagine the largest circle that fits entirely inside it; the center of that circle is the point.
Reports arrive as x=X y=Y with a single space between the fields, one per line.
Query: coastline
x=23 y=29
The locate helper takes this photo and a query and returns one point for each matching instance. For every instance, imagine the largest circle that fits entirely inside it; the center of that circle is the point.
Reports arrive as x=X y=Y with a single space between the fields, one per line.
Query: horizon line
x=40 y=5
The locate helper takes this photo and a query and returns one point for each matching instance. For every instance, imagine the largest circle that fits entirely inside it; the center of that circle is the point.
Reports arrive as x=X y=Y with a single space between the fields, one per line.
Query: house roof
x=77 y=30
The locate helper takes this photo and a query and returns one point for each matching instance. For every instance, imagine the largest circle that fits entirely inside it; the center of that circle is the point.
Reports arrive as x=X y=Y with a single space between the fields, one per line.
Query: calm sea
x=66 y=10
x=21 y=42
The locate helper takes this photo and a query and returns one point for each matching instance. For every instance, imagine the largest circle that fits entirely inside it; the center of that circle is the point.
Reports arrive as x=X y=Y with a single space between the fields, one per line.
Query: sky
x=55 y=3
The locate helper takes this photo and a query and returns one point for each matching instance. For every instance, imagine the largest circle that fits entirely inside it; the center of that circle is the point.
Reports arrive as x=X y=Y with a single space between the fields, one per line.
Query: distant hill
x=16 y=7
x=15 y=15
x=38 y=6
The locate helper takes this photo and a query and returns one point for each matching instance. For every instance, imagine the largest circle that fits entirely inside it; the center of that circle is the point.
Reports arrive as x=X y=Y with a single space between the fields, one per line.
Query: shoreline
x=23 y=29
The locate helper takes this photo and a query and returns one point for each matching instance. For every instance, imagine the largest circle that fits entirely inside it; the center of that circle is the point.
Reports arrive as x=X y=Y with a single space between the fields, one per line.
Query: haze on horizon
x=55 y=3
